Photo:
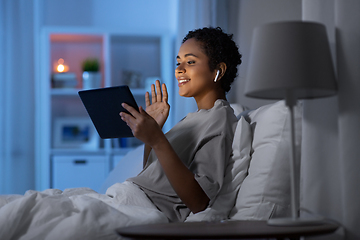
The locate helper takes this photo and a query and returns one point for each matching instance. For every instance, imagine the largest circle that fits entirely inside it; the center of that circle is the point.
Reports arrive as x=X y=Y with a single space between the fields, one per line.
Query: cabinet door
x=78 y=171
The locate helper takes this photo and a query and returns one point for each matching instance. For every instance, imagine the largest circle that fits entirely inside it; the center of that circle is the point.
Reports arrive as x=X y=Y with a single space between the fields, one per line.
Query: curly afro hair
x=219 y=47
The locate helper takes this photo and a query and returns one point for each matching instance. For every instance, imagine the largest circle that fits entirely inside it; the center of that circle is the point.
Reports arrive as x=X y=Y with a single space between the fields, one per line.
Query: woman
x=185 y=170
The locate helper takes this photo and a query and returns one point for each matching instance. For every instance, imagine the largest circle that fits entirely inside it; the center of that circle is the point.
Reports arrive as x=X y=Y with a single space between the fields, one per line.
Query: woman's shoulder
x=219 y=120
x=221 y=104
x=222 y=108
x=221 y=114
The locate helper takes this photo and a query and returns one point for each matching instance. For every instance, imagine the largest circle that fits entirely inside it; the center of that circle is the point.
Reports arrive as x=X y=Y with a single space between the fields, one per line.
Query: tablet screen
x=104 y=105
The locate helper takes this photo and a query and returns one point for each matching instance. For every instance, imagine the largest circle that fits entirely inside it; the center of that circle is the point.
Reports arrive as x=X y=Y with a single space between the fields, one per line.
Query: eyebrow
x=187 y=55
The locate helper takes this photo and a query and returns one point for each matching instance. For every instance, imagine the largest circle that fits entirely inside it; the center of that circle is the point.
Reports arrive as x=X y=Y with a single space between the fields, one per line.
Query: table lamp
x=291 y=61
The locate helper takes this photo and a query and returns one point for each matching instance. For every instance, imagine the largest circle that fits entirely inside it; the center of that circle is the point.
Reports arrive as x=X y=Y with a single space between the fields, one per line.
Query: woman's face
x=193 y=73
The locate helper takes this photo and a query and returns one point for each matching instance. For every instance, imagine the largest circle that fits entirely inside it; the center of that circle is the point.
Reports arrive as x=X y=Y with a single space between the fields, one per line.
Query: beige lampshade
x=290 y=57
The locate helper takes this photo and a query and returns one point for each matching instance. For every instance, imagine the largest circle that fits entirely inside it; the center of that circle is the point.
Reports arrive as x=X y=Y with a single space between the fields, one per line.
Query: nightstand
x=224 y=230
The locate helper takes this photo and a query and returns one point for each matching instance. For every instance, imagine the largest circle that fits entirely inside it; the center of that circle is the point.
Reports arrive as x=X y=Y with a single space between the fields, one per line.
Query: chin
x=182 y=94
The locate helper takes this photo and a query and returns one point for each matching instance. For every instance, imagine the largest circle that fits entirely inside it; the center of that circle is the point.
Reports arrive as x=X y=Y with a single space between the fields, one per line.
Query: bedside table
x=223 y=230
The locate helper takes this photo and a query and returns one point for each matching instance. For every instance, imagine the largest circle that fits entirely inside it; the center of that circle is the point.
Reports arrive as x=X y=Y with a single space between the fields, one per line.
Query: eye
x=177 y=64
x=191 y=62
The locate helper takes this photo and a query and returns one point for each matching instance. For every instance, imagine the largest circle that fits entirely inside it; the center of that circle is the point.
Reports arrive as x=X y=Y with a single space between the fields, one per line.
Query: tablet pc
x=104 y=105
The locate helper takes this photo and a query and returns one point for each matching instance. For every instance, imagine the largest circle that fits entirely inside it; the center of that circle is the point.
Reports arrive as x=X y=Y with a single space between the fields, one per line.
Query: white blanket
x=78 y=213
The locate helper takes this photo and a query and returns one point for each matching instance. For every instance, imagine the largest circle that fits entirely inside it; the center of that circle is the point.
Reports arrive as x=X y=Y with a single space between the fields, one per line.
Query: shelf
x=71 y=151
x=74 y=92
x=125 y=59
x=64 y=91
x=80 y=38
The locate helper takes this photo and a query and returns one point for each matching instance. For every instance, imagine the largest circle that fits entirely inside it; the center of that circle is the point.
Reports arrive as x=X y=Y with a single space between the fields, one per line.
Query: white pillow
x=129 y=166
x=265 y=192
x=238 y=109
x=235 y=172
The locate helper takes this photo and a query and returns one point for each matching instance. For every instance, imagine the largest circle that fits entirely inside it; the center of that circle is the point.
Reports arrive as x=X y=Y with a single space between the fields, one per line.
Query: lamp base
x=296 y=221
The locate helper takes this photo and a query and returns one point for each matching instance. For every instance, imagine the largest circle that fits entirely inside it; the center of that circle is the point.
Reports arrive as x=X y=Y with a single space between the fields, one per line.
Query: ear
x=222 y=69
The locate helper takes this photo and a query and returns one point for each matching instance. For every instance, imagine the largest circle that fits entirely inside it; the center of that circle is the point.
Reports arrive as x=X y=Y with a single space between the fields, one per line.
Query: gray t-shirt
x=203 y=142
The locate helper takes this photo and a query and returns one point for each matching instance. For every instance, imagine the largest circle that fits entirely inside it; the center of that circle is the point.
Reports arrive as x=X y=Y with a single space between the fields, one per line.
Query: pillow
x=238 y=108
x=265 y=192
x=129 y=166
x=235 y=172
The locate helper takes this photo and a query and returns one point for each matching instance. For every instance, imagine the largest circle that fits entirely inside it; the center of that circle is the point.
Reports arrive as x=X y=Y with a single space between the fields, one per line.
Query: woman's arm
x=147 y=150
x=146 y=129
x=181 y=178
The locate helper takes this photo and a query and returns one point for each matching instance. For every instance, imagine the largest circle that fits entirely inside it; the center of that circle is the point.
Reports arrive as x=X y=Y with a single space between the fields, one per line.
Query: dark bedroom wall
x=253 y=13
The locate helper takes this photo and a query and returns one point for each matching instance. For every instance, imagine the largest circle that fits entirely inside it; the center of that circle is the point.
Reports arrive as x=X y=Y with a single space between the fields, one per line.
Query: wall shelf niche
x=125 y=59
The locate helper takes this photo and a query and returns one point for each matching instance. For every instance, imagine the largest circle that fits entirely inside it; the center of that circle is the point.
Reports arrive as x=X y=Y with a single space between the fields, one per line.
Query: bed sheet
x=79 y=213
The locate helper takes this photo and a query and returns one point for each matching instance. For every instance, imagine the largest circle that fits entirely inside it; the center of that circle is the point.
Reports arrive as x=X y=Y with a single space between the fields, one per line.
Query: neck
x=208 y=103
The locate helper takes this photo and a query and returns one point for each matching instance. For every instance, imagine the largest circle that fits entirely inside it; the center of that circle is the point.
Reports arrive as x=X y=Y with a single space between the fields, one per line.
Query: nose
x=179 y=69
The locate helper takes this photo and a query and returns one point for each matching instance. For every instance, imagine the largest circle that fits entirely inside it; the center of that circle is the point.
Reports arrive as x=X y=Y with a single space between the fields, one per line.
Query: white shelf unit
x=120 y=53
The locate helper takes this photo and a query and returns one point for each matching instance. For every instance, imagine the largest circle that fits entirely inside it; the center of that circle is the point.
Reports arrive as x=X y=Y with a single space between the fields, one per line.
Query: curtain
x=331 y=127
x=2 y=98
x=17 y=111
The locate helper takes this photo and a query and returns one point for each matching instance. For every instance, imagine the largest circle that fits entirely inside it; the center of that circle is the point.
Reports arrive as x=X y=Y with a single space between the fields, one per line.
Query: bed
x=256 y=187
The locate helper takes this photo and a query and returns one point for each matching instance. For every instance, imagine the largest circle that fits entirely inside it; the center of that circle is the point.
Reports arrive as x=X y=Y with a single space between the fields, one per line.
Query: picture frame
x=72 y=132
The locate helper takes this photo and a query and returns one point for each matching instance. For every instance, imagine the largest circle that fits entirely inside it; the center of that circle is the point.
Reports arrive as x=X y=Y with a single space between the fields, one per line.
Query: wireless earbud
x=217 y=75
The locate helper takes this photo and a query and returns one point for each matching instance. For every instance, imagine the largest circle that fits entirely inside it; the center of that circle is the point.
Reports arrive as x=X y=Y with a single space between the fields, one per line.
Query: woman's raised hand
x=159 y=107
x=142 y=125
x=146 y=125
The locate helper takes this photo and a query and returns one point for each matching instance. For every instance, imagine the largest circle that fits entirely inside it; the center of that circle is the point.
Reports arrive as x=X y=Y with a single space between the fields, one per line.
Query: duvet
x=78 y=213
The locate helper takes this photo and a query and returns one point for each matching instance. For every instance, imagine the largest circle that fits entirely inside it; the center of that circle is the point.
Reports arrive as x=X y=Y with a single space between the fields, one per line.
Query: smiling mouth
x=182 y=81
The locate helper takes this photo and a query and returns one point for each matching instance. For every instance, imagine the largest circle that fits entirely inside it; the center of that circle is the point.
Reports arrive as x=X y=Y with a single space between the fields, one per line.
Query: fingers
x=130 y=109
x=134 y=114
x=142 y=111
x=126 y=117
x=156 y=94
x=153 y=93
x=158 y=90
x=147 y=99
x=137 y=122
x=131 y=118
x=164 y=93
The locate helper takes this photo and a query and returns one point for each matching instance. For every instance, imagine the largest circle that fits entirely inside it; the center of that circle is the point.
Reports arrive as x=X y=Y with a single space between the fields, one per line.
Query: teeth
x=182 y=81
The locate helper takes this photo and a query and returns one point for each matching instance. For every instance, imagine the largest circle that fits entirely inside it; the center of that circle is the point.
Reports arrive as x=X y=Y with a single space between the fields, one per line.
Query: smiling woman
x=184 y=168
